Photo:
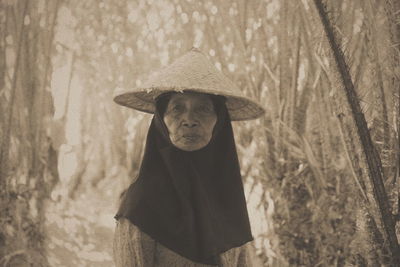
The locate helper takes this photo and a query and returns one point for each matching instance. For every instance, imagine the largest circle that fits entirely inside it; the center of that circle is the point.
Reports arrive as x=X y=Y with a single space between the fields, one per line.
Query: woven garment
x=191 y=72
x=133 y=248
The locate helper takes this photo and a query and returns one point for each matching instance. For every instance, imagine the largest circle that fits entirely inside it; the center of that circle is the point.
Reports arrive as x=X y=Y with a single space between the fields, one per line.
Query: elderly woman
x=187 y=206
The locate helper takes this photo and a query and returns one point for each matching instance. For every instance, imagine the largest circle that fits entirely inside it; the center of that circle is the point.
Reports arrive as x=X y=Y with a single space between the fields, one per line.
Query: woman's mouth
x=191 y=137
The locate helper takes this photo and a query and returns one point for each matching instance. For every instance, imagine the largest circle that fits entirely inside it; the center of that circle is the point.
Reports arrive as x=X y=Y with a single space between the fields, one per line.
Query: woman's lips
x=191 y=137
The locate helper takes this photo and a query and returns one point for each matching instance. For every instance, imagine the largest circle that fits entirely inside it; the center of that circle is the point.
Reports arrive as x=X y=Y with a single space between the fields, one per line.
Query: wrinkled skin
x=190 y=119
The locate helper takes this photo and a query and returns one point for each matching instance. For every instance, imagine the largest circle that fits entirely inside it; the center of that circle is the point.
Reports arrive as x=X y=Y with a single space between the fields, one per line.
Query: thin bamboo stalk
x=3 y=64
x=292 y=93
x=371 y=17
x=5 y=141
x=392 y=10
x=39 y=130
x=313 y=75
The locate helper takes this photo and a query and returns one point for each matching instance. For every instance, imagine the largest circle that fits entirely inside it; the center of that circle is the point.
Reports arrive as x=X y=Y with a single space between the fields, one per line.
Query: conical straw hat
x=191 y=72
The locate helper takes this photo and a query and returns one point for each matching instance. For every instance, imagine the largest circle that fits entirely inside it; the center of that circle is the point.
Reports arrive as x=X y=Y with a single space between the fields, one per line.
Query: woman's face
x=190 y=119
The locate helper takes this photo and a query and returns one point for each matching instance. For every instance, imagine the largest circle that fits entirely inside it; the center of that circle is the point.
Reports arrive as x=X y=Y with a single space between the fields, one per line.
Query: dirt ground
x=80 y=231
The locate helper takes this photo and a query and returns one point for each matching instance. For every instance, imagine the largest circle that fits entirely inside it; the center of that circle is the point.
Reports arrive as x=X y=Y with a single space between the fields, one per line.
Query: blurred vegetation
x=68 y=151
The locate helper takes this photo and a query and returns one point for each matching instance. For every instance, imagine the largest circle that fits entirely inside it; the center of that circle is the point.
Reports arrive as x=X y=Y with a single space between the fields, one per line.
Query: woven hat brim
x=239 y=107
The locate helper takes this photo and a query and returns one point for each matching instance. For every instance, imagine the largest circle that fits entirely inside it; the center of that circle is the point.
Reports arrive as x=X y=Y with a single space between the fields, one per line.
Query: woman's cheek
x=174 y=127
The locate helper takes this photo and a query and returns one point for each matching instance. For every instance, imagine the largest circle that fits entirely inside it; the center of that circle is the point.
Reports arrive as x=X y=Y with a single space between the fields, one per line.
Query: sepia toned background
x=319 y=193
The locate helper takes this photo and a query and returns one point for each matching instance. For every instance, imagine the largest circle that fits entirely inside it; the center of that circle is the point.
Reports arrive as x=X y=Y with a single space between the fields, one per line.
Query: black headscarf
x=191 y=202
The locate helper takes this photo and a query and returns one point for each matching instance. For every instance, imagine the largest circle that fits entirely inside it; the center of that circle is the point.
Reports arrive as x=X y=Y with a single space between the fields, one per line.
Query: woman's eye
x=177 y=108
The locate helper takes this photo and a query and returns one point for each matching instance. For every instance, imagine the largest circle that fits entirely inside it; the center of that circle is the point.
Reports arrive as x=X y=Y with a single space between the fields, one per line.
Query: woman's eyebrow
x=206 y=103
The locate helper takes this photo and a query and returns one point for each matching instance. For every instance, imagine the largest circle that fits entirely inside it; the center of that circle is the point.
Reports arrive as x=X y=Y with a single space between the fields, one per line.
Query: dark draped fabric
x=191 y=202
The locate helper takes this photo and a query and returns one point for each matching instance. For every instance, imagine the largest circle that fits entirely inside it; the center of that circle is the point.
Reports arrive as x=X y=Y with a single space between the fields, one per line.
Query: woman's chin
x=190 y=146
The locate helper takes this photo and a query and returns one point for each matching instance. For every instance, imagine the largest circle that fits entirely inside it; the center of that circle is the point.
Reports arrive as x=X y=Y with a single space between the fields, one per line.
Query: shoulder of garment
x=133 y=248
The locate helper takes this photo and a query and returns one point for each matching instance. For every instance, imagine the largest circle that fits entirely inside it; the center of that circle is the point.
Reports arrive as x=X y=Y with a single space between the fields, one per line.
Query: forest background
x=321 y=168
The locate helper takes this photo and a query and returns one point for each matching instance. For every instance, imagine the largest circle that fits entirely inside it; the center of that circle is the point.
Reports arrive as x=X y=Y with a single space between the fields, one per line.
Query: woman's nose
x=190 y=124
x=189 y=120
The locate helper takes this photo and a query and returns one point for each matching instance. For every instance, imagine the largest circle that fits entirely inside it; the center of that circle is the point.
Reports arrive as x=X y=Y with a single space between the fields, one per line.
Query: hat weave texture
x=191 y=72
